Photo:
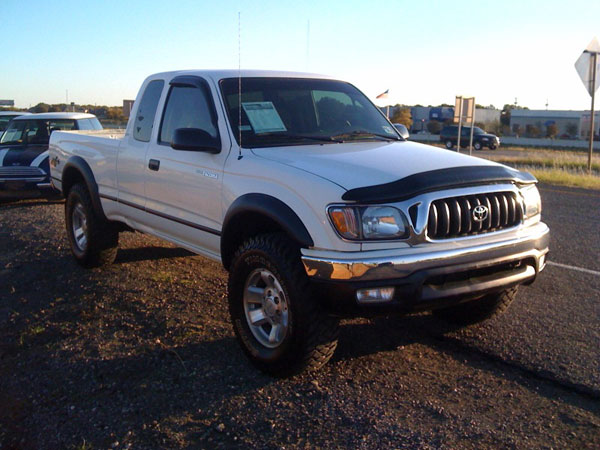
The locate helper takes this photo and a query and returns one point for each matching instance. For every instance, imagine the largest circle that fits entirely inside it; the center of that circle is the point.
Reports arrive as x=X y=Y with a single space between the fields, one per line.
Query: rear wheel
x=478 y=310
x=279 y=324
x=449 y=144
x=477 y=145
x=94 y=240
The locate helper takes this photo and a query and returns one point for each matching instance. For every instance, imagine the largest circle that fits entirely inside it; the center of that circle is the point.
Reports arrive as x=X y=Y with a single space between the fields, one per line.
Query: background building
x=127 y=107
x=535 y=123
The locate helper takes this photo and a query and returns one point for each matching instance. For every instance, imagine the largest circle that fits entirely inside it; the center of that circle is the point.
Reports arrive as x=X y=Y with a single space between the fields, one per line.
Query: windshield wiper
x=311 y=138
x=359 y=133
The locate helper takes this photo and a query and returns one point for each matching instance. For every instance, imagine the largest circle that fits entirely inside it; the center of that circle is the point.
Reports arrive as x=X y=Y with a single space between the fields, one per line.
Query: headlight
x=368 y=222
x=532 y=201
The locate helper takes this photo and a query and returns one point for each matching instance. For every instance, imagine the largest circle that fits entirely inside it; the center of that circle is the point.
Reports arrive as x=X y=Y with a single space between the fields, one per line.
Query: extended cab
x=312 y=201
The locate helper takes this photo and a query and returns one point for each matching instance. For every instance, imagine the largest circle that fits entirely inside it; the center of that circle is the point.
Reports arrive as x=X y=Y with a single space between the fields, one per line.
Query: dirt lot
x=141 y=355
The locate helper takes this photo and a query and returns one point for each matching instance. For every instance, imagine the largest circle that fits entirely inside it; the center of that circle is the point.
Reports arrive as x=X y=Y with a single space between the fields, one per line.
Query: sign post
x=587 y=68
x=458 y=104
x=464 y=107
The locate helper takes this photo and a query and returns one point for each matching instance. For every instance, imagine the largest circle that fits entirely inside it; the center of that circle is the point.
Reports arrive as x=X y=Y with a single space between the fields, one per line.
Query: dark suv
x=480 y=138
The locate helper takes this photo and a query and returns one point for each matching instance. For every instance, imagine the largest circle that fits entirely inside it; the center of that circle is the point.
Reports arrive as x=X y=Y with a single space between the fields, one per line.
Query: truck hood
x=359 y=164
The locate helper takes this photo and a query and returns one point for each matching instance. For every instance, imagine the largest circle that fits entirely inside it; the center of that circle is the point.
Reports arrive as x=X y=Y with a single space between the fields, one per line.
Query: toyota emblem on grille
x=480 y=213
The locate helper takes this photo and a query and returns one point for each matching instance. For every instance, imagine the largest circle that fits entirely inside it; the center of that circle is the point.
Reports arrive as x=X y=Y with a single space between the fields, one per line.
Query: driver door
x=183 y=188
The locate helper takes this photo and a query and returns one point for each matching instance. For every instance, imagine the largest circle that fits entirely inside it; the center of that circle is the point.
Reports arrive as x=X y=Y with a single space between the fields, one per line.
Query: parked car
x=24 y=164
x=481 y=139
x=7 y=116
x=309 y=197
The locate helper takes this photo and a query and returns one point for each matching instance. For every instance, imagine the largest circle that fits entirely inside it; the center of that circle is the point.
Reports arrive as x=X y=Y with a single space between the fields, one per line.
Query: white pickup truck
x=310 y=198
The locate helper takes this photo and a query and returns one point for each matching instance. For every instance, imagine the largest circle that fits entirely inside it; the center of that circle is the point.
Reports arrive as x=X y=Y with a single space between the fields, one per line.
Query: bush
x=434 y=127
x=532 y=131
x=551 y=130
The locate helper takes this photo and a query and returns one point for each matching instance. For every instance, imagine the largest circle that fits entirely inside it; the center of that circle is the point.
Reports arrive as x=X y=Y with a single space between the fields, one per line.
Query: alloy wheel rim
x=266 y=308
x=79 y=225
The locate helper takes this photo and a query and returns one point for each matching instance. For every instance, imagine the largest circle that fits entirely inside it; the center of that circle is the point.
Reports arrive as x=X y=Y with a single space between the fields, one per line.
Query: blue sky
x=424 y=52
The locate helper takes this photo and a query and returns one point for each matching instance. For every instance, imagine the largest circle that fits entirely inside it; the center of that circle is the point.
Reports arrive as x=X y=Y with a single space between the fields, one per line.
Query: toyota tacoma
x=312 y=201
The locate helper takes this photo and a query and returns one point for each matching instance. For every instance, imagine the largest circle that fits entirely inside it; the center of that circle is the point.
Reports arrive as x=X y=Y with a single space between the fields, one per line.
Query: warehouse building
x=535 y=123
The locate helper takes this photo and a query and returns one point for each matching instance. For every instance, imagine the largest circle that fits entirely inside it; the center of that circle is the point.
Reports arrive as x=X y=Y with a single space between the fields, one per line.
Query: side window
x=187 y=107
x=95 y=123
x=144 y=116
x=36 y=132
x=84 y=124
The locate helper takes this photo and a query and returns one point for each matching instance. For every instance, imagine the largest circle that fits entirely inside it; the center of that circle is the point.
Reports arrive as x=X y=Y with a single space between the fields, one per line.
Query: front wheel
x=478 y=310
x=477 y=146
x=279 y=324
x=449 y=144
x=93 y=239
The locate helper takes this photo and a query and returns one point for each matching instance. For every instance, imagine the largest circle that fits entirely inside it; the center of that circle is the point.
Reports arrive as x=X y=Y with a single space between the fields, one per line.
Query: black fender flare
x=269 y=207
x=78 y=164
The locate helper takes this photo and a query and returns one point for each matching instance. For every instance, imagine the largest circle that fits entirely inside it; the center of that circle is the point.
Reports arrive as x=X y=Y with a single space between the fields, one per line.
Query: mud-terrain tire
x=269 y=290
x=94 y=240
x=479 y=310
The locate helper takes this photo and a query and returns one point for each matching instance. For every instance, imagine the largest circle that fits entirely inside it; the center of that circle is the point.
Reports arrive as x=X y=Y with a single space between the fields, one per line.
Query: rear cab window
x=146 y=112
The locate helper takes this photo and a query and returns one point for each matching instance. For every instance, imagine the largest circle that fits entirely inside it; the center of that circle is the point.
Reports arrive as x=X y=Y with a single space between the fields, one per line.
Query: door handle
x=154 y=164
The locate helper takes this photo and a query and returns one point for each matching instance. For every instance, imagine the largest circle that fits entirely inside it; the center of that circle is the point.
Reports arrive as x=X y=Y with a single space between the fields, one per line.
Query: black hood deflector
x=435 y=180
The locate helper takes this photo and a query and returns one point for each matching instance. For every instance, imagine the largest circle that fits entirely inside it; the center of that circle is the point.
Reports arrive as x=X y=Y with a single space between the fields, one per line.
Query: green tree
x=115 y=113
x=532 y=131
x=41 y=108
x=551 y=130
x=434 y=127
x=495 y=127
x=506 y=112
x=572 y=129
x=403 y=116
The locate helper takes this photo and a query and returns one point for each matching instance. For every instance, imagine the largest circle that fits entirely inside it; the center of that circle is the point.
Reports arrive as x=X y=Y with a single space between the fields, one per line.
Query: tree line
x=103 y=112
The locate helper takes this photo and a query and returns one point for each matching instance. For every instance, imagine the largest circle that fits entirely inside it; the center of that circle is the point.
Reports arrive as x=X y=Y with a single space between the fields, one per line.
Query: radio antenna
x=240 y=85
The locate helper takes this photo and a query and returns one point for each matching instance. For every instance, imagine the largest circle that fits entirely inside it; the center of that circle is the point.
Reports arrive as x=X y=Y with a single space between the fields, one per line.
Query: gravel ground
x=141 y=355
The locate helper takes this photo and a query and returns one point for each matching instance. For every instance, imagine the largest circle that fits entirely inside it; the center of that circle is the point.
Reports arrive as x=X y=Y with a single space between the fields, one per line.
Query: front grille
x=454 y=217
x=21 y=172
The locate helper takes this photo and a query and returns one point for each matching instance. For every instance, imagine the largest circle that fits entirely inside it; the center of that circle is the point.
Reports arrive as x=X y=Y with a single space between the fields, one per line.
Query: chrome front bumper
x=530 y=246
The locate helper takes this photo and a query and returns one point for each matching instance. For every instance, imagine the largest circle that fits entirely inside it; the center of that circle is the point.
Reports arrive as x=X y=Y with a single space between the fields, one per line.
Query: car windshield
x=296 y=111
x=4 y=120
x=478 y=130
x=34 y=131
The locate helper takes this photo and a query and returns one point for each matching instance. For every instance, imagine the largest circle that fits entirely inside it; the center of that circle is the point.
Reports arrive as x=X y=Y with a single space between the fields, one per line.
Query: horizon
x=510 y=51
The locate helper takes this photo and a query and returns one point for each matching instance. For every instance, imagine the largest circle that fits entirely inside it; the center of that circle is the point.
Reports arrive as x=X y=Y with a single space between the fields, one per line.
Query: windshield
x=295 y=111
x=34 y=131
x=4 y=119
x=478 y=130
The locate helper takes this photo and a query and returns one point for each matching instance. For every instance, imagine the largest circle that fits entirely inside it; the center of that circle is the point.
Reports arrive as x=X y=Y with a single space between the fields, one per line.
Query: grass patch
x=549 y=159
x=564 y=168
x=566 y=178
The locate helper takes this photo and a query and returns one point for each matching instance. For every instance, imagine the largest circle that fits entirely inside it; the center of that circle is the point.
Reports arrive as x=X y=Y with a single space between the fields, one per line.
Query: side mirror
x=402 y=130
x=195 y=140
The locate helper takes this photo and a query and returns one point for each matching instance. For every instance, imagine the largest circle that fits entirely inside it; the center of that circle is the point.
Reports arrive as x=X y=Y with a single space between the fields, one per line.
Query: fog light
x=375 y=295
